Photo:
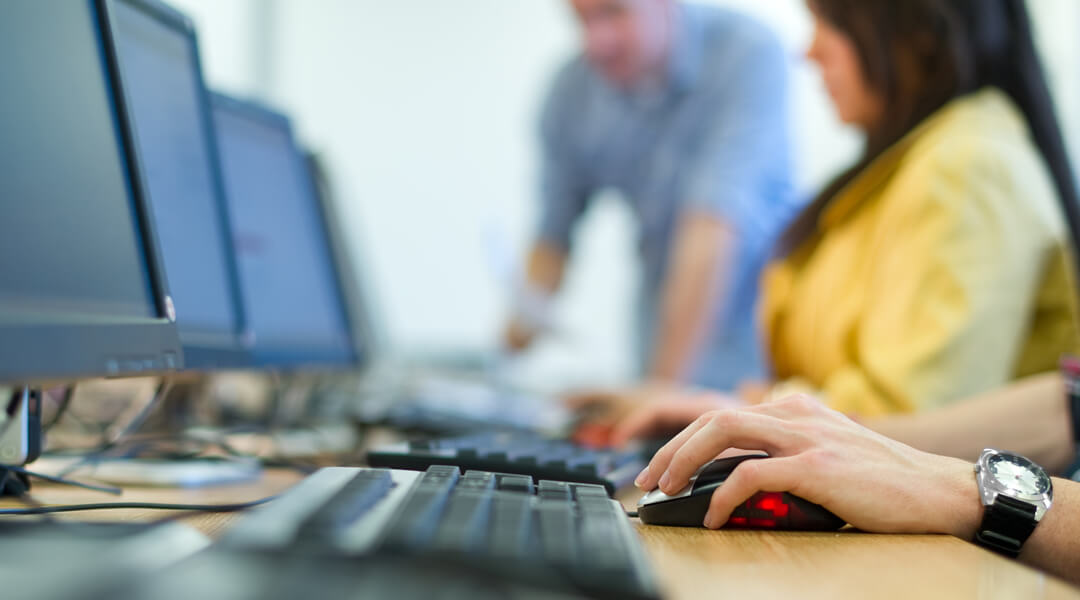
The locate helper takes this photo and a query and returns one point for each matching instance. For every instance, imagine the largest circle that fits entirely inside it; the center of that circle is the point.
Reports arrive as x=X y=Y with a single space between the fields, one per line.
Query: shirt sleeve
x=950 y=299
x=741 y=169
x=563 y=189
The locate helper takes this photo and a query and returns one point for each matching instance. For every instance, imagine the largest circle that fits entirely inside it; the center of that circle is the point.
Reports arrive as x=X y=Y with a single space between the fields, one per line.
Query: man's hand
x=871 y=481
x=518 y=336
x=543 y=276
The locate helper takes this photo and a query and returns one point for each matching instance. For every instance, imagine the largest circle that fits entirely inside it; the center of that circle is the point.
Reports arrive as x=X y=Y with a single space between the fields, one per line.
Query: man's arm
x=1055 y=545
x=544 y=274
x=699 y=270
x=1030 y=417
x=735 y=183
x=564 y=191
x=820 y=455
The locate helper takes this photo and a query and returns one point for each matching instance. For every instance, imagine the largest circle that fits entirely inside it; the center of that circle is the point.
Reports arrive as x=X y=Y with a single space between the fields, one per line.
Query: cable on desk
x=62 y=408
x=169 y=446
x=195 y=508
x=15 y=486
x=106 y=489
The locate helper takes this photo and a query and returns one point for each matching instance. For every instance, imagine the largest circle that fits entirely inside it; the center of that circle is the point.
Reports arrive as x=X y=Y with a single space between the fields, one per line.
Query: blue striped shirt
x=712 y=139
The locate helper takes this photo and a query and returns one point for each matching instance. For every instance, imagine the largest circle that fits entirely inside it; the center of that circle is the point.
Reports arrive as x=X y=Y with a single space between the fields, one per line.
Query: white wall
x=1055 y=24
x=426 y=110
x=227 y=41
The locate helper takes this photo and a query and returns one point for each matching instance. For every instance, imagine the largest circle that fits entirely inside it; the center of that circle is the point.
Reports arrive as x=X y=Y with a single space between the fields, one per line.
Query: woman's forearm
x=1030 y=417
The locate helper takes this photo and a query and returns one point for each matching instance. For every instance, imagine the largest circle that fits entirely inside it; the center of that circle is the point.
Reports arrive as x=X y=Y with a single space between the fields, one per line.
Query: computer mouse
x=764 y=510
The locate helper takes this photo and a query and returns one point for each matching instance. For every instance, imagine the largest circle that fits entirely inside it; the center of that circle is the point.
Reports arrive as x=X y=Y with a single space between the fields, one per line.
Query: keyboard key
x=515 y=483
x=464 y=524
x=554 y=490
x=477 y=480
x=511 y=525
x=416 y=520
x=585 y=490
x=348 y=504
x=518 y=453
x=558 y=535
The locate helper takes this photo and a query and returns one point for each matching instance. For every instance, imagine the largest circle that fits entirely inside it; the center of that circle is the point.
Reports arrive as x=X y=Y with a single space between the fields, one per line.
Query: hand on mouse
x=872 y=482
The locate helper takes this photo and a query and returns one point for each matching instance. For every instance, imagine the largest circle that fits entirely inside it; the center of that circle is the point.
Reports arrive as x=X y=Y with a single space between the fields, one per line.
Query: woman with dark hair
x=941 y=265
x=938 y=267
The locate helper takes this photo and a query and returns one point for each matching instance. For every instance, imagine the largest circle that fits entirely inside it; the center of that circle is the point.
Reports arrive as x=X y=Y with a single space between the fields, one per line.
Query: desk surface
x=696 y=563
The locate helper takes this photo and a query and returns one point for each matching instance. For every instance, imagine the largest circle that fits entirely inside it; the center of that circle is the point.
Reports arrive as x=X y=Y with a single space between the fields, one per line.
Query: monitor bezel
x=358 y=303
x=280 y=358
x=203 y=350
x=102 y=346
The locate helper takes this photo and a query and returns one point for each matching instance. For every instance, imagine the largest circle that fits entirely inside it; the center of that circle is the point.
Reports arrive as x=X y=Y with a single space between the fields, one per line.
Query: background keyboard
x=567 y=535
x=519 y=453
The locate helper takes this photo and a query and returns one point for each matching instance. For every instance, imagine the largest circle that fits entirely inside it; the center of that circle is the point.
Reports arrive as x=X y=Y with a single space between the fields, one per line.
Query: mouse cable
x=203 y=508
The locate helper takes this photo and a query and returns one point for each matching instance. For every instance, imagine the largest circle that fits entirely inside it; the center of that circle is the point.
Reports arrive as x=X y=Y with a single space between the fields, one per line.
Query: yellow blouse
x=941 y=271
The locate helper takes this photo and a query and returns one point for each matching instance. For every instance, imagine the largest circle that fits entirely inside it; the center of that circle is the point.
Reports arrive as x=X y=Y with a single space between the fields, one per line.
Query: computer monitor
x=168 y=108
x=292 y=296
x=82 y=287
x=368 y=338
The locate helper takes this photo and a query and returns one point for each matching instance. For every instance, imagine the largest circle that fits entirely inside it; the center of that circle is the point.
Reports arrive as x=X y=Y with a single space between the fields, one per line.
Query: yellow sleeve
x=957 y=261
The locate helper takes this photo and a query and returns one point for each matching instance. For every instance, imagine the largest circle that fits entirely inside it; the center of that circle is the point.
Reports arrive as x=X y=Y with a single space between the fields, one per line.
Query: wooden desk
x=696 y=563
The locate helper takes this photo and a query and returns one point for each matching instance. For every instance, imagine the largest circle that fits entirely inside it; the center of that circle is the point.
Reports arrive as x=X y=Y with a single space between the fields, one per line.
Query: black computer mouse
x=764 y=510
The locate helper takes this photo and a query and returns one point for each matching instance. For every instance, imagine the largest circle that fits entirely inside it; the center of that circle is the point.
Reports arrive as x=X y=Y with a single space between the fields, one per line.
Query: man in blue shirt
x=681 y=109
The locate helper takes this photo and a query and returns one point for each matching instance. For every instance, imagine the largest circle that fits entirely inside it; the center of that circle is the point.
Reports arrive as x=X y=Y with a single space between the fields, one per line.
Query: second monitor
x=291 y=292
x=156 y=55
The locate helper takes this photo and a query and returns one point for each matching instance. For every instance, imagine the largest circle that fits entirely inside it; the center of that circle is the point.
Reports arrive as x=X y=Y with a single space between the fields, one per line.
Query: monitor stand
x=20 y=438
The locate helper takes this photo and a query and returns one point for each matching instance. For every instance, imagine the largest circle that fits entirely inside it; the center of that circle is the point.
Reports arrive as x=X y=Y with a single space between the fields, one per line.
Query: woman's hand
x=621 y=415
x=872 y=482
x=666 y=418
x=609 y=406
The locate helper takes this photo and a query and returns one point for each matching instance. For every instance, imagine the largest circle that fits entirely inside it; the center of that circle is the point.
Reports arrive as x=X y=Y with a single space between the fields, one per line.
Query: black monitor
x=82 y=291
x=168 y=108
x=367 y=337
x=292 y=295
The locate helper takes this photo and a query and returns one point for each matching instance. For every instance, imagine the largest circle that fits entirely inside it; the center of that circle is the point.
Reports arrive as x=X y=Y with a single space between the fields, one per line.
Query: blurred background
x=425 y=110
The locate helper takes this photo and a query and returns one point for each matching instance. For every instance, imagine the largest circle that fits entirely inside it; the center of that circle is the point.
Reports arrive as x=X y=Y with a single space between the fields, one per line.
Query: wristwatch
x=1016 y=493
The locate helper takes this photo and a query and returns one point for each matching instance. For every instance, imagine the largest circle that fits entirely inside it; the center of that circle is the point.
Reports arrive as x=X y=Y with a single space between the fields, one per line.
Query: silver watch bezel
x=990 y=488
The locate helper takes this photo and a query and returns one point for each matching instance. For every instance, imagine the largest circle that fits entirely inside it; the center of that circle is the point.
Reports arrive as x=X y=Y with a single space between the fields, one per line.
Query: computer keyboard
x=570 y=535
x=519 y=453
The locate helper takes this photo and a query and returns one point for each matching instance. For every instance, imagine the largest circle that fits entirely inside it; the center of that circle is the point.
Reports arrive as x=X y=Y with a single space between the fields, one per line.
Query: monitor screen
x=79 y=287
x=167 y=105
x=291 y=293
x=366 y=336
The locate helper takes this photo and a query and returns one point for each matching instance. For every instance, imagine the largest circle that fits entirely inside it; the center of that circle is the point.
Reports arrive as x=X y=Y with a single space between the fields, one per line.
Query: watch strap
x=1006 y=525
x=1070 y=370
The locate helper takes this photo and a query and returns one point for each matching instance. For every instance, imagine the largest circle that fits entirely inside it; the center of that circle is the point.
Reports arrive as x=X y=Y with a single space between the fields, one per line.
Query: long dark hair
x=920 y=54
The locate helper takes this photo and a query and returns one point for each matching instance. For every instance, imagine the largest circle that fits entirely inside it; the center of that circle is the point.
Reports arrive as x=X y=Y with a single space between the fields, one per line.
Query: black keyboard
x=515 y=452
x=552 y=535
x=447 y=404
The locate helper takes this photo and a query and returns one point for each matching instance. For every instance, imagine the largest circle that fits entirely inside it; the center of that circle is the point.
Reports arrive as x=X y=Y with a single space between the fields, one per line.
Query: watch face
x=1019 y=475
